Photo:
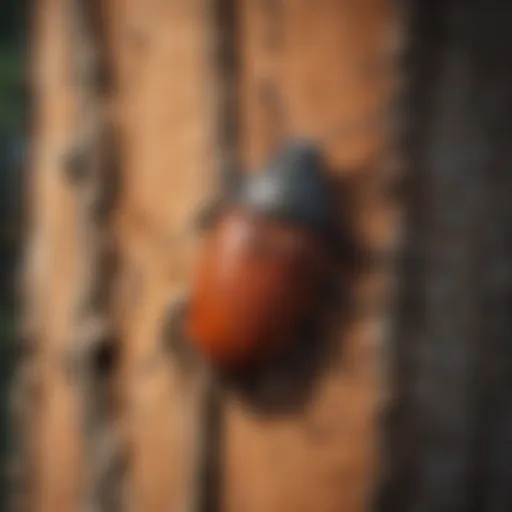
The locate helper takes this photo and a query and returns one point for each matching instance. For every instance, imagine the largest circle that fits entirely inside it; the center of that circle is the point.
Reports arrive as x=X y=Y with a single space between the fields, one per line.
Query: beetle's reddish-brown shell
x=257 y=283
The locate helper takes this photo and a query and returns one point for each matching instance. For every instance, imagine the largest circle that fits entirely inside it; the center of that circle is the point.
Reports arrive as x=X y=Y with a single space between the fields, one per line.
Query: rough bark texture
x=47 y=468
x=448 y=429
x=92 y=168
x=321 y=69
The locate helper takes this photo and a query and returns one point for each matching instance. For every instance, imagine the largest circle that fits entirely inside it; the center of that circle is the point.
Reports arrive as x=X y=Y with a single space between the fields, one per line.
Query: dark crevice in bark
x=210 y=470
x=93 y=171
x=223 y=49
x=223 y=44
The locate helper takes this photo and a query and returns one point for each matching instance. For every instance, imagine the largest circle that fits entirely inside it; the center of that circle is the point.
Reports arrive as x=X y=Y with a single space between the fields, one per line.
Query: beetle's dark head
x=291 y=187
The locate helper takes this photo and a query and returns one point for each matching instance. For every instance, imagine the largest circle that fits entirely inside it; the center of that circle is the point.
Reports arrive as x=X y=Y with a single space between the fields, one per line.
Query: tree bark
x=305 y=437
x=451 y=348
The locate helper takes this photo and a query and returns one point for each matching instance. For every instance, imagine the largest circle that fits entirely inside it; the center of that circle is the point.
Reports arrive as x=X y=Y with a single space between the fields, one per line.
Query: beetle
x=263 y=269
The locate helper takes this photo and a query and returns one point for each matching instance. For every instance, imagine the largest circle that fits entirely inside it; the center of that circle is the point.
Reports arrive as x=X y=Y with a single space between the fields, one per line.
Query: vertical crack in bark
x=223 y=56
x=205 y=495
x=93 y=170
x=206 y=490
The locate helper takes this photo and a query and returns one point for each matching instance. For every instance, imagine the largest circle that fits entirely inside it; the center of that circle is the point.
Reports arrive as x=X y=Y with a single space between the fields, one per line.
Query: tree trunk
x=190 y=88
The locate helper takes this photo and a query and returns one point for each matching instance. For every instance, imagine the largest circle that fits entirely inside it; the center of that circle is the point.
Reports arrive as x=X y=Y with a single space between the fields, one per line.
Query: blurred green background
x=13 y=124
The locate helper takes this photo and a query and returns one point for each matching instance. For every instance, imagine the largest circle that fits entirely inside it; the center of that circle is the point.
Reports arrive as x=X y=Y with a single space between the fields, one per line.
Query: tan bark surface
x=329 y=63
x=327 y=66
x=52 y=259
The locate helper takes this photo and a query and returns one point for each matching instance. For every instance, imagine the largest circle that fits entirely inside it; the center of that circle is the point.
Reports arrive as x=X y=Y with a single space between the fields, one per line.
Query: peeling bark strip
x=92 y=169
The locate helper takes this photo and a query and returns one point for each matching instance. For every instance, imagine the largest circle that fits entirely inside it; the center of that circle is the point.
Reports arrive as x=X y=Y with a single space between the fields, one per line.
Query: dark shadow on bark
x=448 y=428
